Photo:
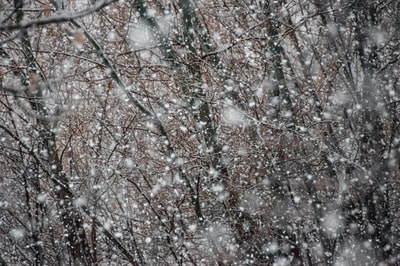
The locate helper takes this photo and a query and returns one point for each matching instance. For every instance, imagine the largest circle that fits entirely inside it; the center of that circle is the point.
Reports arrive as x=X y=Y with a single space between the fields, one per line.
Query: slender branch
x=57 y=18
x=110 y=236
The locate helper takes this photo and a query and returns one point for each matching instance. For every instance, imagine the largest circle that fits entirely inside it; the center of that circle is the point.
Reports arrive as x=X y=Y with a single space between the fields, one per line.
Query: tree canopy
x=180 y=132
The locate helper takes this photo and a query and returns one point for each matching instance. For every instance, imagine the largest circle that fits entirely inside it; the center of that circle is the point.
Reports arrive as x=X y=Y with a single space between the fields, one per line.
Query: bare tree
x=199 y=132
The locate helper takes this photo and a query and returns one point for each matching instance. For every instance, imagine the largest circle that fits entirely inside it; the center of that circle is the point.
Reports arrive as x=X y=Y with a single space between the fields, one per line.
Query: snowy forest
x=200 y=132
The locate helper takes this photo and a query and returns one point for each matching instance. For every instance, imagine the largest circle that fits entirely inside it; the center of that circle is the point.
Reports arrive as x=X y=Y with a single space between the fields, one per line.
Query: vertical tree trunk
x=72 y=220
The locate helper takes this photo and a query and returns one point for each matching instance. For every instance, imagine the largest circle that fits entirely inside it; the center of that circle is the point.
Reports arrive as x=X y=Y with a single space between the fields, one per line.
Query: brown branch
x=58 y=18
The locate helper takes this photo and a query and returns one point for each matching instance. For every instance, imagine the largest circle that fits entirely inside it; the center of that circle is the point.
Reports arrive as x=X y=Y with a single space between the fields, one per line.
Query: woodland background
x=182 y=132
